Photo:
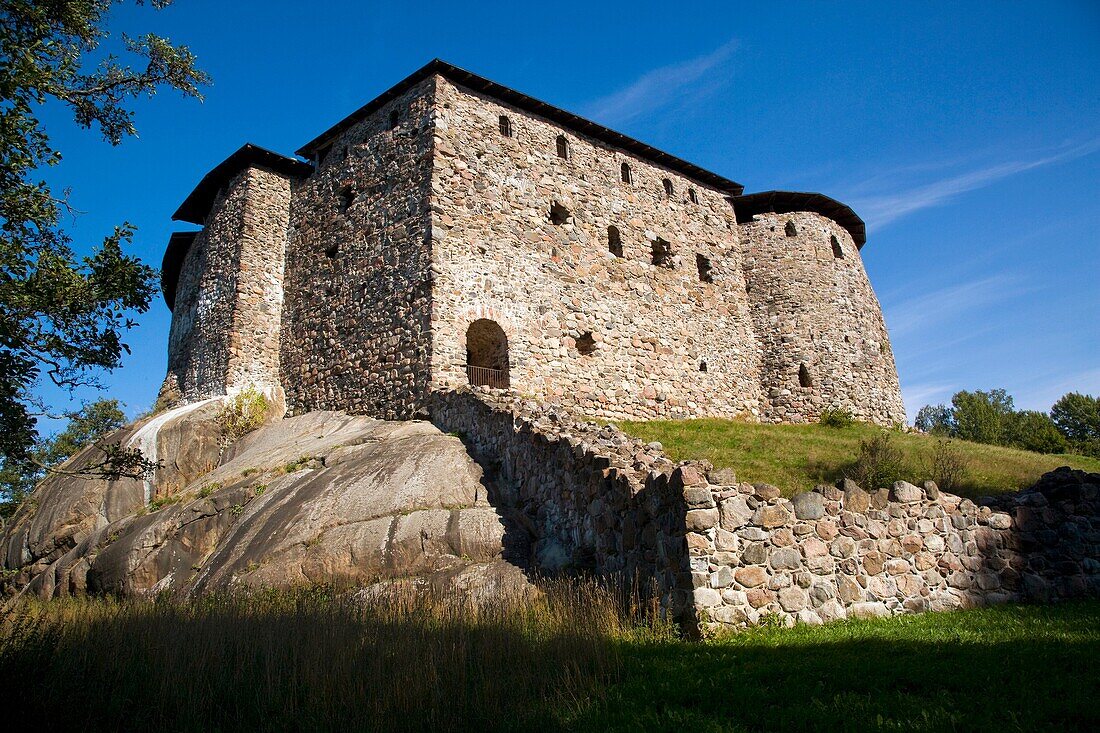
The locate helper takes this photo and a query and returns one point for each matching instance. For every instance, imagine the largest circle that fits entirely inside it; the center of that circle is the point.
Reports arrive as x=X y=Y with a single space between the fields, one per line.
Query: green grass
x=1010 y=668
x=571 y=660
x=797 y=457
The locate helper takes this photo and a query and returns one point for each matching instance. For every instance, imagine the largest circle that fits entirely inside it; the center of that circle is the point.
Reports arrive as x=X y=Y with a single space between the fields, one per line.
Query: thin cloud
x=882 y=209
x=655 y=88
x=933 y=308
x=917 y=396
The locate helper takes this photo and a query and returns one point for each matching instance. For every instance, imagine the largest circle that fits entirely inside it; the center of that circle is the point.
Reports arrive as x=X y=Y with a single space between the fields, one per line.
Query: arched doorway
x=487 y=354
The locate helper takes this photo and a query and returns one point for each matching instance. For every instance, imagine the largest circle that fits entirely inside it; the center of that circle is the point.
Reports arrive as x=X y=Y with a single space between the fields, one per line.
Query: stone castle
x=454 y=231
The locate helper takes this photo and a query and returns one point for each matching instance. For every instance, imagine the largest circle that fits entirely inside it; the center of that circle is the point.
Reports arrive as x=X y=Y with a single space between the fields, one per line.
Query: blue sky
x=966 y=135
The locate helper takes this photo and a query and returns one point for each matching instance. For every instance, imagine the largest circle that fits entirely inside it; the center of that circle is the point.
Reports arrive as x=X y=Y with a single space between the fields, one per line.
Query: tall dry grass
x=318 y=659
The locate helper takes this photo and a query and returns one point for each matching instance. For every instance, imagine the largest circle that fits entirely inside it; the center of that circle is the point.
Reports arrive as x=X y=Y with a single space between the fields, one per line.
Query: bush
x=836 y=418
x=879 y=462
x=947 y=466
x=242 y=414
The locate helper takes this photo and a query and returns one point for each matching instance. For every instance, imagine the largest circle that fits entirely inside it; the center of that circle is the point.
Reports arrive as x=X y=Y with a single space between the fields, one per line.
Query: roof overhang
x=522 y=101
x=178 y=246
x=197 y=205
x=785 y=202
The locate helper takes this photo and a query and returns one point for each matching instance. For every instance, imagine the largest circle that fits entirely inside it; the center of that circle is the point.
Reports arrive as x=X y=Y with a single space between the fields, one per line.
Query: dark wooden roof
x=785 y=202
x=178 y=245
x=529 y=104
x=197 y=205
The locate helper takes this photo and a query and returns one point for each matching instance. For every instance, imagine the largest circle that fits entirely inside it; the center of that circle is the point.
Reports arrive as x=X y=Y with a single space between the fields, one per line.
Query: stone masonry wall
x=226 y=320
x=811 y=307
x=358 y=287
x=844 y=552
x=664 y=343
x=729 y=556
x=590 y=497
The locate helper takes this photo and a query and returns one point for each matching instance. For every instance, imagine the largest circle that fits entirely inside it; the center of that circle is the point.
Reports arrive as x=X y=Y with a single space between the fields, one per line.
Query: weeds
x=836 y=418
x=241 y=414
x=879 y=463
x=946 y=465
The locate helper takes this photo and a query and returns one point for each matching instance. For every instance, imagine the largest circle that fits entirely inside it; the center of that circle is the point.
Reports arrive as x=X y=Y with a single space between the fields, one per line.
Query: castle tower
x=224 y=283
x=823 y=339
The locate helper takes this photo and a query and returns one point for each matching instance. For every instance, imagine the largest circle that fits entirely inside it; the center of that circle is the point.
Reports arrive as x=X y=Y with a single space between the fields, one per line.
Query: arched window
x=394 y=117
x=505 y=126
x=668 y=188
x=487 y=355
x=837 y=251
x=692 y=197
x=347 y=196
x=624 y=173
x=563 y=147
x=791 y=230
x=614 y=242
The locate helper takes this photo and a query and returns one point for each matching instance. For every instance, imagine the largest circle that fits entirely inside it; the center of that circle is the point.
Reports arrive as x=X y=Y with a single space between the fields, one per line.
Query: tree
x=937 y=420
x=1034 y=431
x=982 y=417
x=86 y=425
x=1078 y=417
x=63 y=317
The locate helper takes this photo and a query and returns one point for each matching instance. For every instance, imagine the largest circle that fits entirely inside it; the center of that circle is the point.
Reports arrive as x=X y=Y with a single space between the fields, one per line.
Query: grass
x=572 y=659
x=797 y=457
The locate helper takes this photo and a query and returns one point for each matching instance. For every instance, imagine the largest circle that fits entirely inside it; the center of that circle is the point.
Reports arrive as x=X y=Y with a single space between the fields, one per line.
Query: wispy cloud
x=931 y=309
x=917 y=396
x=883 y=208
x=655 y=88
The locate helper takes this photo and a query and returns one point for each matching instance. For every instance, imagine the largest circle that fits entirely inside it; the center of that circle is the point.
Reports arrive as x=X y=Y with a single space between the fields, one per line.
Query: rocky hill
x=321 y=498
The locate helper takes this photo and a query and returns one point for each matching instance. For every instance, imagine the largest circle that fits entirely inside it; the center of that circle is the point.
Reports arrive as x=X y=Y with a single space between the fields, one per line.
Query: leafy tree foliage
x=990 y=417
x=86 y=425
x=982 y=417
x=62 y=316
x=1035 y=431
x=935 y=419
x=1078 y=417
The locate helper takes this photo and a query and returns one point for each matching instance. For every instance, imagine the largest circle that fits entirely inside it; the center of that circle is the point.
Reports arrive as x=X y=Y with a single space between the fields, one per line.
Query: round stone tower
x=823 y=339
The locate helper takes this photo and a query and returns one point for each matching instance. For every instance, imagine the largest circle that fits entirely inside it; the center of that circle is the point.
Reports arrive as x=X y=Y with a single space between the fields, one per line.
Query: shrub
x=242 y=414
x=836 y=418
x=879 y=462
x=947 y=466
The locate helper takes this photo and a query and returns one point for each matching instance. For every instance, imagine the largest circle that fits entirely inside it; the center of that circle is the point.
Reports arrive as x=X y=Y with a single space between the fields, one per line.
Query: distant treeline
x=1072 y=426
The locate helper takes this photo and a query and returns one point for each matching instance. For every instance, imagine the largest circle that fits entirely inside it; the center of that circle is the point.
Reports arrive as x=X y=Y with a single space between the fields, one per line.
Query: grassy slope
x=299 y=662
x=796 y=457
x=1004 y=669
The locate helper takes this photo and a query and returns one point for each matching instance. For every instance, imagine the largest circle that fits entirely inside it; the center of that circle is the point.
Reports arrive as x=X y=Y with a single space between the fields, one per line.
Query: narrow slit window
x=563 y=147
x=505 y=126
x=347 y=196
x=614 y=241
x=702 y=366
x=804 y=380
x=668 y=188
x=624 y=173
x=692 y=196
x=791 y=230
x=394 y=119
x=661 y=252
x=838 y=253
x=702 y=262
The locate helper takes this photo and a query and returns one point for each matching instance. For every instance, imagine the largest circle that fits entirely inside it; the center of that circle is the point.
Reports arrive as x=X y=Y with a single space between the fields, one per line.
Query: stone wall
x=590 y=497
x=730 y=556
x=226 y=319
x=358 y=287
x=844 y=552
x=820 y=327
x=615 y=336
